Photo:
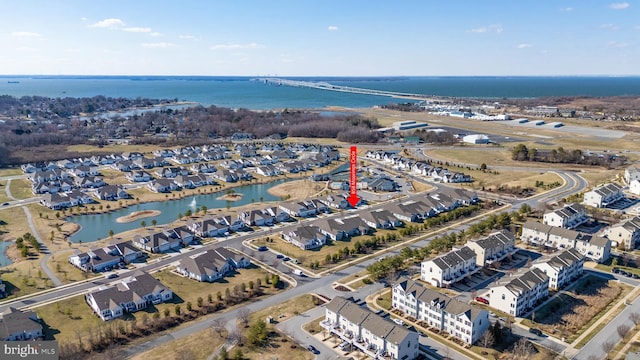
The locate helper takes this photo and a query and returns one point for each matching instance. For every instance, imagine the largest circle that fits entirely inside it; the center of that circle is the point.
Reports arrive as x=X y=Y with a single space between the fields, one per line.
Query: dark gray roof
x=14 y=321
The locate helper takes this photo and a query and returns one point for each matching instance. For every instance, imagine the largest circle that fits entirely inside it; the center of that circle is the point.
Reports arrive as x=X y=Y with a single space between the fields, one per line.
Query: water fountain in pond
x=193 y=203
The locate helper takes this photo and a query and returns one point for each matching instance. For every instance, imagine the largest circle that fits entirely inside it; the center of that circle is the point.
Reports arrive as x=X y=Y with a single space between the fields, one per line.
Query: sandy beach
x=137 y=215
x=230 y=197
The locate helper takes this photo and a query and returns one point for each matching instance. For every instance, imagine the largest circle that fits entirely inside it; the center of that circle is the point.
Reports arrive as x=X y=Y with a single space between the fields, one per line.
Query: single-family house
x=17 y=325
x=306 y=237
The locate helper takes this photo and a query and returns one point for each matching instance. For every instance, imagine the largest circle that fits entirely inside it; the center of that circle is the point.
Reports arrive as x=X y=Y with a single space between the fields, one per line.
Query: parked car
x=482 y=300
x=5 y=204
x=535 y=331
x=279 y=256
x=262 y=248
x=615 y=270
x=398 y=321
x=313 y=349
x=344 y=345
x=112 y=276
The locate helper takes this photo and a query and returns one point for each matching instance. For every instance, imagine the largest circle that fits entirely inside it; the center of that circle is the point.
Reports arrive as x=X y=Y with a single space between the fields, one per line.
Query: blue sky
x=324 y=37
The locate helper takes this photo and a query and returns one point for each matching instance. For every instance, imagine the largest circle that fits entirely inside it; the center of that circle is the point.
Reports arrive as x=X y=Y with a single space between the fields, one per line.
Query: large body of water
x=241 y=92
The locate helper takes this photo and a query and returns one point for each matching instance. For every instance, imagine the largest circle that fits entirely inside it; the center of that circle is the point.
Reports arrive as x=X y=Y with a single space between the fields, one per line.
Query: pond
x=96 y=226
x=4 y=260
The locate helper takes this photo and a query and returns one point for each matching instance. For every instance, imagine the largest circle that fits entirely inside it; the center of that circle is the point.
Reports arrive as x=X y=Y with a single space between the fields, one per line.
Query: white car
x=398 y=321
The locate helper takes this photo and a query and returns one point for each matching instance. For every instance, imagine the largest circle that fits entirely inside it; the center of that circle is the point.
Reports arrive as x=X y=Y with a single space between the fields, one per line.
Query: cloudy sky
x=327 y=37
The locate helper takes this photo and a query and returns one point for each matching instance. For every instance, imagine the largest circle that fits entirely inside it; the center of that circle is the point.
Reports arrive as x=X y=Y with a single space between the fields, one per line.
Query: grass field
x=64 y=271
x=196 y=346
x=187 y=290
x=69 y=319
x=21 y=189
x=24 y=278
x=285 y=310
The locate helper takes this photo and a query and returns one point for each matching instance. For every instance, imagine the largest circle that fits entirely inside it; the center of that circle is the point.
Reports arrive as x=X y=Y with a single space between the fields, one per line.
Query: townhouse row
x=368 y=332
x=596 y=248
x=431 y=308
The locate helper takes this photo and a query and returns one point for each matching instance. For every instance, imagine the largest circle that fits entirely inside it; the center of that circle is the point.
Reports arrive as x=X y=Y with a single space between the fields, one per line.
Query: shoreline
x=230 y=197
x=136 y=215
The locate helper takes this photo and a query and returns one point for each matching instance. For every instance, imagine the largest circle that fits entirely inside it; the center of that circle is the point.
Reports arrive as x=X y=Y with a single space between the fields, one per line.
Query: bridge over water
x=321 y=85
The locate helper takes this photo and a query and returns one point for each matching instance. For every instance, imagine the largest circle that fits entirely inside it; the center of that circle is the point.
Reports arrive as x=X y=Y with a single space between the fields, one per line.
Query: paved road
x=43 y=249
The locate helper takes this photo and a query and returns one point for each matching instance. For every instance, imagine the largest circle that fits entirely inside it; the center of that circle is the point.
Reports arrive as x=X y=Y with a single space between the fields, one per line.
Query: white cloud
x=524 y=46
x=187 y=37
x=155 y=33
x=616 y=44
x=488 y=29
x=619 y=6
x=25 y=34
x=236 y=46
x=567 y=9
x=609 y=26
x=108 y=23
x=137 y=30
x=332 y=28
x=27 y=49
x=159 y=45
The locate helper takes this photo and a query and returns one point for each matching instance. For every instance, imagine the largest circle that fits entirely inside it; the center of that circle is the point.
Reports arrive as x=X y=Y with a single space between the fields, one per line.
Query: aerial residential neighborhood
x=352 y=180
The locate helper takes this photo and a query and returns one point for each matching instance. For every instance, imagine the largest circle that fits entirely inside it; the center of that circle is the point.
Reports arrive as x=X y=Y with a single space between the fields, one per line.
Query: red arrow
x=353 y=198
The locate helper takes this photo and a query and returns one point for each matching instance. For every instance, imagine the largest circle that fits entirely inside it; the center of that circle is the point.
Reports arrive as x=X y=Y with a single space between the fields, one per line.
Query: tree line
x=560 y=155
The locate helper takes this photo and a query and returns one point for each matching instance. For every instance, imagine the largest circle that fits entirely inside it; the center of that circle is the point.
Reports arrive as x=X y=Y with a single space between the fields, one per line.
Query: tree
x=200 y=301
x=237 y=354
x=111 y=232
x=635 y=317
x=217 y=325
x=243 y=315
x=143 y=224
x=154 y=222
x=189 y=307
x=623 y=330
x=223 y=354
x=258 y=333
x=487 y=340
x=167 y=312
x=177 y=310
x=607 y=346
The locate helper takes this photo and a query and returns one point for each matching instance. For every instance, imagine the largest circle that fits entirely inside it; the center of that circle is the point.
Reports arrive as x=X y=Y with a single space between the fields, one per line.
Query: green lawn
x=21 y=189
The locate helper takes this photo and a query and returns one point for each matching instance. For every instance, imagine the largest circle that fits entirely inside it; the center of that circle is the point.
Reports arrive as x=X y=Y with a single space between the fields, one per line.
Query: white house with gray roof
x=603 y=195
x=626 y=232
x=211 y=265
x=449 y=268
x=131 y=294
x=595 y=248
x=563 y=268
x=465 y=322
x=306 y=237
x=375 y=336
x=568 y=217
x=521 y=293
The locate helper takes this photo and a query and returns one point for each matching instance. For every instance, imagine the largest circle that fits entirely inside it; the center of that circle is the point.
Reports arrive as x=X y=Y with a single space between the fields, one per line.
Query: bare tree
x=635 y=317
x=243 y=315
x=217 y=325
x=623 y=330
x=522 y=350
x=607 y=346
x=487 y=340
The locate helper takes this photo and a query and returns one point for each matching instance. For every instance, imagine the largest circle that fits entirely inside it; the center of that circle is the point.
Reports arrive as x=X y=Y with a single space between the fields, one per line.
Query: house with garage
x=211 y=265
x=159 y=242
x=133 y=293
x=376 y=337
x=207 y=227
x=111 y=193
x=306 y=237
x=463 y=321
x=380 y=219
x=520 y=294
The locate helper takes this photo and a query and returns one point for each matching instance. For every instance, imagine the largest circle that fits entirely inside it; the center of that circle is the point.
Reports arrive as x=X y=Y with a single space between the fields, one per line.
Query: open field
x=64 y=271
x=10 y=172
x=113 y=148
x=21 y=189
x=188 y=290
x=24 y=278
x=69 y=320
x=197 y=346
x=568 y=315
x=298 y=189
x=285 y=310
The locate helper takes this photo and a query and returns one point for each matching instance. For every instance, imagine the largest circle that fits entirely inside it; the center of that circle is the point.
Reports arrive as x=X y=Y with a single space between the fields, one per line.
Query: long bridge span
x=321 y=85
